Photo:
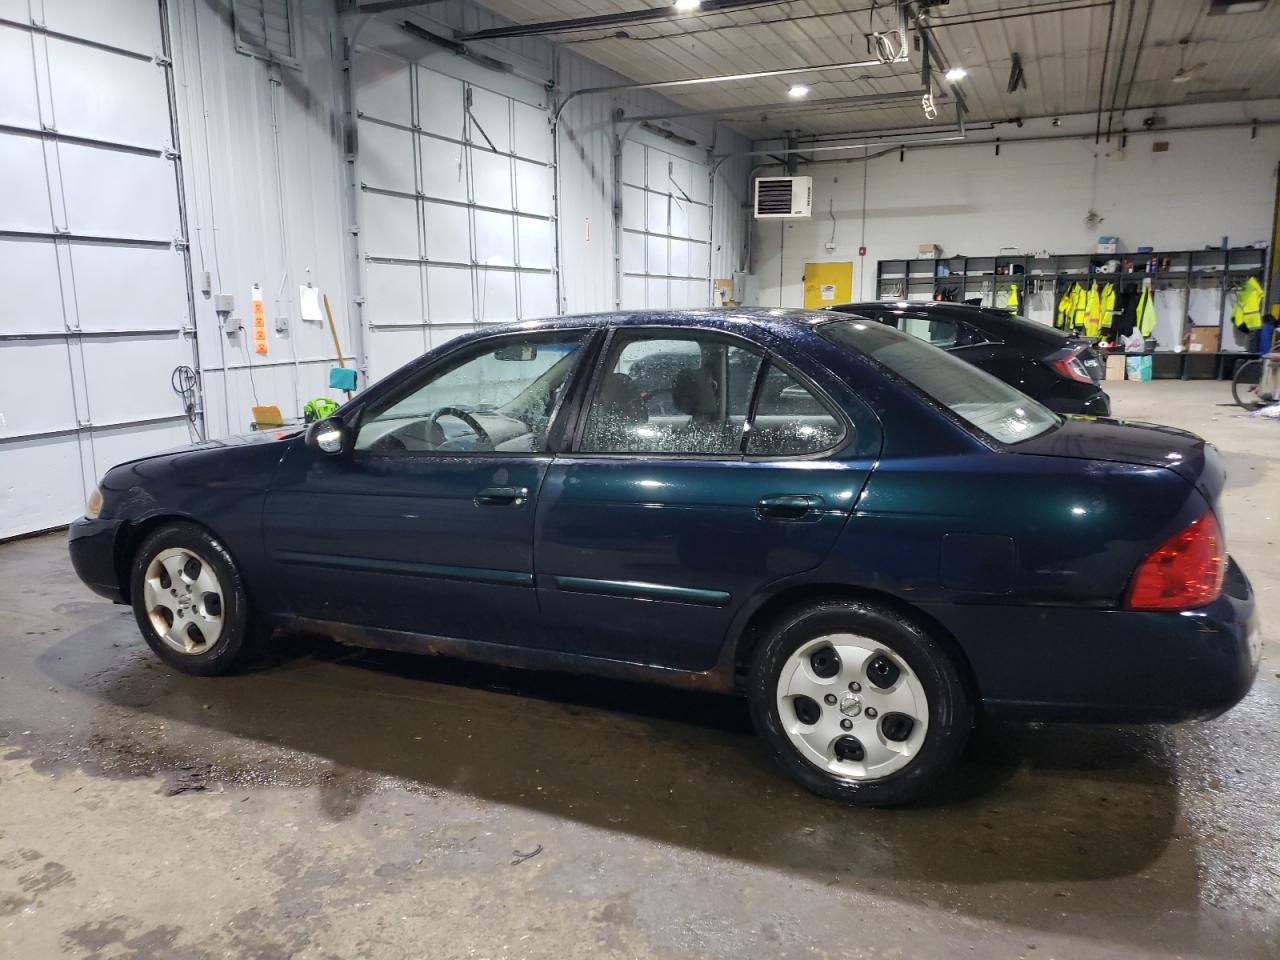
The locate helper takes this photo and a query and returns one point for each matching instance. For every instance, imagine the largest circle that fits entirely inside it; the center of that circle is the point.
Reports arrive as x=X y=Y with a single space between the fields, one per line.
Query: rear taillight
x=1185 y=571
x=1070 y=365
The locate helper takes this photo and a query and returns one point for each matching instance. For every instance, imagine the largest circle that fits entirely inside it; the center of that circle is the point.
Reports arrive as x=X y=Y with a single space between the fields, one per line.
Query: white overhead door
x=456 y=215
x=95 y=313
x=666 y=229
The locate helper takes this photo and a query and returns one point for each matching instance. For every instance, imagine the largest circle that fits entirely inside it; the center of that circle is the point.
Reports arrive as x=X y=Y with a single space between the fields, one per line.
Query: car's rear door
x=427 y=525
x=654 y=528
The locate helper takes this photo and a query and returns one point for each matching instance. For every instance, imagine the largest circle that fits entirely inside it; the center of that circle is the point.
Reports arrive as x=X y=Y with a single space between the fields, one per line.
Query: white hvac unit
x=783 y=198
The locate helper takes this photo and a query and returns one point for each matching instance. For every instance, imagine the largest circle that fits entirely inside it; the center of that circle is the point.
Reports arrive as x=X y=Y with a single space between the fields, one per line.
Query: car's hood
x=1123 y=441
x=235 y=440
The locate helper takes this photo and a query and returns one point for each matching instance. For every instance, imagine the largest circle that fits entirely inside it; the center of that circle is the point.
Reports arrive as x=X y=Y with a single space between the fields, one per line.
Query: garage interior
x=216 y=213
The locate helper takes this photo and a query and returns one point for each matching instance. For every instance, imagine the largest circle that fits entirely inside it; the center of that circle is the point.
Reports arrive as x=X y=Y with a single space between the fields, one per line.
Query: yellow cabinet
x=826 y=284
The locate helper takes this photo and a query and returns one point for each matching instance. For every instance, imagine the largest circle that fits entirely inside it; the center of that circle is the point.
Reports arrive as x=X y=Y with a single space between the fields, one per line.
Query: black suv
x=1060 y=371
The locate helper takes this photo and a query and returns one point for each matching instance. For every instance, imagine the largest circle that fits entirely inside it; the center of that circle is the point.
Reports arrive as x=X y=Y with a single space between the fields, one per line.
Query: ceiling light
x=957 y=73
x=686 y=6
x=798 y=90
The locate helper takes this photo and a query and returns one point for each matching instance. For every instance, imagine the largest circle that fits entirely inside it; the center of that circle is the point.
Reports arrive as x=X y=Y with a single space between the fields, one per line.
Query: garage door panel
x=655 y=294
x=491 y=179
x=497 y=296
x=633 y=155
x=390 y=226
x=656 y=170
x=491 y=111
x=696 y=293
x=393 y=291
x=26 y=192
x=633 y=208
x=132 y=108
x=449 y=295
x=700 y=184
x=633 y=290
x=680 y=179
x=537 y=243
x=36 y=392
x=678 y=254
x=443 y=333
x=656 y=220
x=699 y=222
x=495 y=238
x=32 y=300
x=448 y=229
x=537 y=296
x=386 y=157
x=392 y=349
x=109 y=296
x=533 y=133
x=534 y=189
x=18 y=105
x=679 y=218
x=55 y=499
x=655 y=255
x=439 y=104
x=108 y=193
x=443 y=173
x=383 y=86
x=632 y=252
x=128 y=377
x=127 y=24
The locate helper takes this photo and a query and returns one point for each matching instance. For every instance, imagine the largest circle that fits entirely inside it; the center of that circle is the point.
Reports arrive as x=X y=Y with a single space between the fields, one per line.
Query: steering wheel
x=468 y=419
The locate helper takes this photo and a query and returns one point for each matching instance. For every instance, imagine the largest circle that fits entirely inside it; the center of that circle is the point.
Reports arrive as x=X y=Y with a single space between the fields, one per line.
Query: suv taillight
x=1070 y=366
x=1185 y=571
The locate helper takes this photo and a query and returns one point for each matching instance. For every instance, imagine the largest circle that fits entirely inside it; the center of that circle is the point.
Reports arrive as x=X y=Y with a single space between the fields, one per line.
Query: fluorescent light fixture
x=687 y=6
x=957 y=73
x=798 y=90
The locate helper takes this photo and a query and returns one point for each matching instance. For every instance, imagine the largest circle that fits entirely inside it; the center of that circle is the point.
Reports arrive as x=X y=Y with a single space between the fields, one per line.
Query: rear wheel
x=190 y=603
x=858 y=703
x=1244 y=385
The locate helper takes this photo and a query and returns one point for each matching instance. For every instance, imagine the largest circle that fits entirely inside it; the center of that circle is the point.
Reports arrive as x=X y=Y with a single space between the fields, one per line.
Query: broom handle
x=337 y=345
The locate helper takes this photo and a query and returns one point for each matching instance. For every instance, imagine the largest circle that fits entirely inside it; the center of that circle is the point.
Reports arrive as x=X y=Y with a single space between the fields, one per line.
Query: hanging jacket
x=1125 y=318
x=1107 y=309
x=1071 y=308
x=1093 y=311
x=1146 y=318
x=1247 y=313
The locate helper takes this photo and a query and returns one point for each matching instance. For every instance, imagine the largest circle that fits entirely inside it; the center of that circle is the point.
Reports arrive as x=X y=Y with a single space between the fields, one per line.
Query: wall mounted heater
x=783 y=198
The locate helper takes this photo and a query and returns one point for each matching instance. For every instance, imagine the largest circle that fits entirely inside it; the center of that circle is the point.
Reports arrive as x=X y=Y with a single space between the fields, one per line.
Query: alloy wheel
x=184 y=600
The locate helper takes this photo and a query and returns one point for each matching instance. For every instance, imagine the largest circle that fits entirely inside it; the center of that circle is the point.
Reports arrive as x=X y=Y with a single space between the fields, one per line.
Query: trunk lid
x=1147 y=444
x=1089 y=358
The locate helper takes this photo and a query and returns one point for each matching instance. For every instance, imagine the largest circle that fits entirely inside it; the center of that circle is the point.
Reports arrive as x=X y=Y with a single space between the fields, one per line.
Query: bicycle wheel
x=1244 y=385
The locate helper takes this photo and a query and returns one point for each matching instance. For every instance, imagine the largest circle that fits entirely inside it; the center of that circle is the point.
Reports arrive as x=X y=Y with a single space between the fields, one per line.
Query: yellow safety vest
x=1146 y=321
x=1107 y=307
x=1071 y=309
x=1013 y=296
x=1247 y=313
x=1093 y=311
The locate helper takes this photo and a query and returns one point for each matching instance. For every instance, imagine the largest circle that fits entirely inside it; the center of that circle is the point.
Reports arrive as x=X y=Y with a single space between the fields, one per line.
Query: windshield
x=990 y=405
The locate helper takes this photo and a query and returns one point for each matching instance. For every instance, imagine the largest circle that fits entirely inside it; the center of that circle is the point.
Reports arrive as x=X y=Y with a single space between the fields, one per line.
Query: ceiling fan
x=1186 y=74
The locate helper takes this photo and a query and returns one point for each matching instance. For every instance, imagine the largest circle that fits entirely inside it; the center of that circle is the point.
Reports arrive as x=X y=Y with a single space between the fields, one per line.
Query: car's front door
x=662 y=521
x=426 y=526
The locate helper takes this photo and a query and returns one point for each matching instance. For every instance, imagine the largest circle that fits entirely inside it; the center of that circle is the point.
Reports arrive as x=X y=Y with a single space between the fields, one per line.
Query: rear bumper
x=92 y=545
x=1112 y=666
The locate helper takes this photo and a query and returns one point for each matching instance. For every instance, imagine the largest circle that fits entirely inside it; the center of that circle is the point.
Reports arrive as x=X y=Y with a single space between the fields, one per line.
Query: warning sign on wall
x=259 y=322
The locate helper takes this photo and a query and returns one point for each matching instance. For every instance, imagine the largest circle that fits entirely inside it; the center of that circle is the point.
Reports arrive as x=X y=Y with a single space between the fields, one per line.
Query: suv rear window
x=990 y=405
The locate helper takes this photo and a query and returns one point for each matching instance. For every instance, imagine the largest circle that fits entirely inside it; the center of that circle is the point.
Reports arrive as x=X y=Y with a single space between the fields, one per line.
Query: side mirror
x=331 y=436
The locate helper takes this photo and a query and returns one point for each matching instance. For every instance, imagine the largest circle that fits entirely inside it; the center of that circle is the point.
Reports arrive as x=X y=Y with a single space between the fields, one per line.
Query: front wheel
x=859 y=704
x=190 y=602
x=1244 y=385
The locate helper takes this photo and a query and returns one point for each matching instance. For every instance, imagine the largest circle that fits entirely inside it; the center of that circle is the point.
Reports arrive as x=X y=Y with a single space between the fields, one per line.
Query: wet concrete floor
x=345 y=803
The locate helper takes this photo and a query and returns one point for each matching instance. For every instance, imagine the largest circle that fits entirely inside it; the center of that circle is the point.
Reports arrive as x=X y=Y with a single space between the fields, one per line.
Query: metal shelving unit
x=988 y=279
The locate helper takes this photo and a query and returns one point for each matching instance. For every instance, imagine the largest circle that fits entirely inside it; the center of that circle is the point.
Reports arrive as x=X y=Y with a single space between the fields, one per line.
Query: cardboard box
x=1204 y=340
x=929 y=251
x=1138 y=367
x=1114 y=369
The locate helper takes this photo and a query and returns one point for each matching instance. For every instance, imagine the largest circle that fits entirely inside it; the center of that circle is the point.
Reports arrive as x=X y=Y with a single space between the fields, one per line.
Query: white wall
x=1034 y=196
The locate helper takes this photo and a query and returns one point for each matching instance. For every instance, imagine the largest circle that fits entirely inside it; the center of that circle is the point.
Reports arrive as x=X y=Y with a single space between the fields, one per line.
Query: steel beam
x=790 y=106
x=604 y=20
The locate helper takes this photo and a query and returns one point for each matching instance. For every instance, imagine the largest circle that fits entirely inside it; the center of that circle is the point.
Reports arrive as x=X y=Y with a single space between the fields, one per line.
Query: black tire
x=950 y=704
x=242 y=635
x=1244 y=385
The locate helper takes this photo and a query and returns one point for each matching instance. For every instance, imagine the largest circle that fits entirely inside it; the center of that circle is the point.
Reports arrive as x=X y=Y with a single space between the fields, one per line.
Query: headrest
x=694 y=392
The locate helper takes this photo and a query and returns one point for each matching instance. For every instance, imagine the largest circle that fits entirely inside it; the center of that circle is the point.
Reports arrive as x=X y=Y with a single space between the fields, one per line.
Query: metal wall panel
x=133 y=108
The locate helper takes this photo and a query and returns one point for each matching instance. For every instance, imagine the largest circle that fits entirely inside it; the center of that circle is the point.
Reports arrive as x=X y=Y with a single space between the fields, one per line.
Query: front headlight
x=94 y=506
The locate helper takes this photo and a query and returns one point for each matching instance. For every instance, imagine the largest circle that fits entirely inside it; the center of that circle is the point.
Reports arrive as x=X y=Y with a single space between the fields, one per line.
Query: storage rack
x=989 y=279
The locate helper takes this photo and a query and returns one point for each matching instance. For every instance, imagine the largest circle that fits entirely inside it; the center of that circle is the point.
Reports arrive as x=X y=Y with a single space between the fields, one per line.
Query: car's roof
x=992 y=320
x=781 y=320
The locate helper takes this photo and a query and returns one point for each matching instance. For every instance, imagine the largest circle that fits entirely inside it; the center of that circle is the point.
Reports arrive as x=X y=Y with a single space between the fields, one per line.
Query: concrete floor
x=360 y=804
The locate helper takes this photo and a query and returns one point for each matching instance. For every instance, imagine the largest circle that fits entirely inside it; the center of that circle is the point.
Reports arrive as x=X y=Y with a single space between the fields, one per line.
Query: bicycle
x=1257 y=382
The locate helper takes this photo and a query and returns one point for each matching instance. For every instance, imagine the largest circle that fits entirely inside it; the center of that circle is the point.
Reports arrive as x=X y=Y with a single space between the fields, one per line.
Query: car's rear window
x=988 y=404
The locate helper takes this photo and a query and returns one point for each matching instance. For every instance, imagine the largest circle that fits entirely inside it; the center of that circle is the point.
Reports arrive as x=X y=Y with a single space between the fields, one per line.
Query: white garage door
x=457 y=207
x=666 y=229
x=94 y=315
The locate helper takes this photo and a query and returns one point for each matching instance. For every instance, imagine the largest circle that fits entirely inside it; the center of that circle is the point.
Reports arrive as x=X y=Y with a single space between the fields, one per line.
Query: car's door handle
x=790 y=506
x=502 y=496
